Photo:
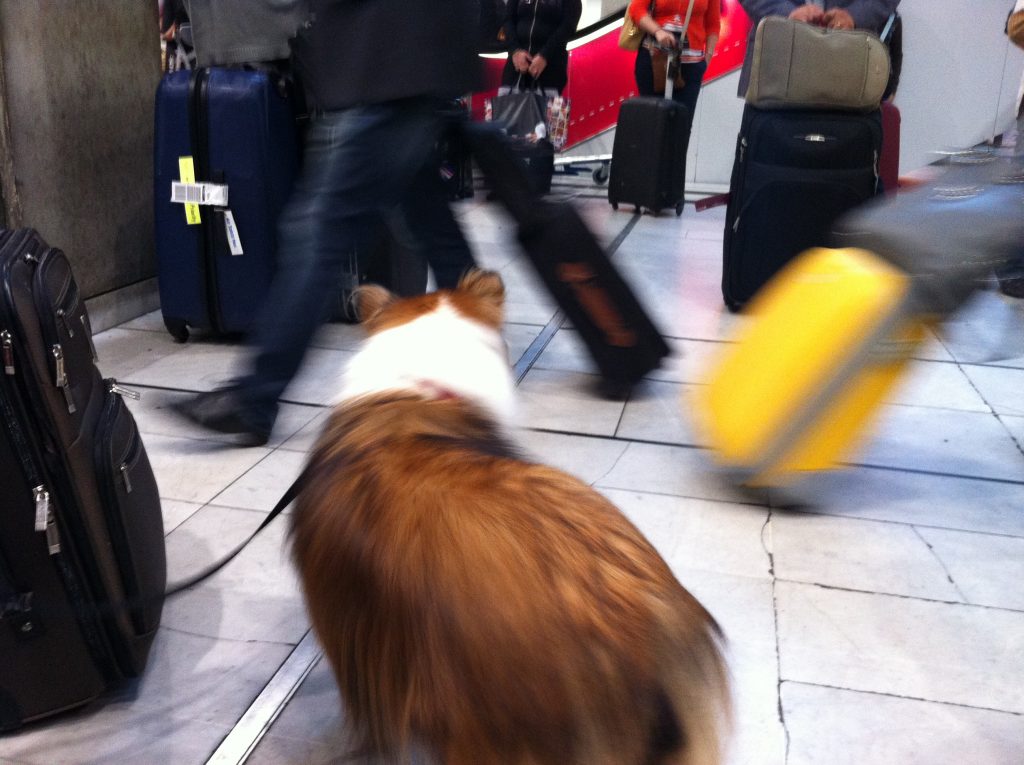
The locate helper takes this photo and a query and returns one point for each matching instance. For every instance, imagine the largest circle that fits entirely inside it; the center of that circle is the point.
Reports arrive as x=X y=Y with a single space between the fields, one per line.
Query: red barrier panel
x=601 y=74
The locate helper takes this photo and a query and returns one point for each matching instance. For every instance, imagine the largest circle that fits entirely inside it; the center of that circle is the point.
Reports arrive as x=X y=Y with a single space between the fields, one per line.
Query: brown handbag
x=631 y=35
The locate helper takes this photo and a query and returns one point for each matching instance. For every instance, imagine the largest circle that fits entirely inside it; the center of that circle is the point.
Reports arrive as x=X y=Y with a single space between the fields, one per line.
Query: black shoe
x=222 y=411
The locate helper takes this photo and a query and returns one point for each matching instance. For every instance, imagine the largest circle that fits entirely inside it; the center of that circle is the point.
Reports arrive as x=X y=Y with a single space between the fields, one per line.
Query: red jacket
x=704 y=21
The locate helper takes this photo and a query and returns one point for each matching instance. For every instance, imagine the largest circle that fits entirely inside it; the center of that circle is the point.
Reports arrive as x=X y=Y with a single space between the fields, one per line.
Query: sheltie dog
x=474 y=604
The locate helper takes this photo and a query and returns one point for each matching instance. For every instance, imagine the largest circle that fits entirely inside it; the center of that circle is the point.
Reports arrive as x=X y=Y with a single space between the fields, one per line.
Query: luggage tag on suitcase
x=825 y=343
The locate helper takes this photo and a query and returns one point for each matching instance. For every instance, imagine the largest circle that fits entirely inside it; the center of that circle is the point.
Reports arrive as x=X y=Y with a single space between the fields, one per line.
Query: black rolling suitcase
x=82 y=567
x=617 y=331
x=648 y=168
x=794 y=174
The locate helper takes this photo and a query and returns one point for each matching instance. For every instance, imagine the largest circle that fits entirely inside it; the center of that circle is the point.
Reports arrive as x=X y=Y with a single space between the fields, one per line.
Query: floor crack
x=942 y=563
x=778 y=653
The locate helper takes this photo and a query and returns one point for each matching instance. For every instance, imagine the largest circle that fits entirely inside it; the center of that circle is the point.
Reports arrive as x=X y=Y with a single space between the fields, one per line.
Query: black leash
x=289 y=496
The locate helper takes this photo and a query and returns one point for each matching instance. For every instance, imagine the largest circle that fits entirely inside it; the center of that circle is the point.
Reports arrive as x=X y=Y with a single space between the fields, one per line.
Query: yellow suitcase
x=830 y=336
x=824 y=343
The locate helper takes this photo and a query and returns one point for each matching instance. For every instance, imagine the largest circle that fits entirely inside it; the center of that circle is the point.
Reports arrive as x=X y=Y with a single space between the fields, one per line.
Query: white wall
x=958 y=88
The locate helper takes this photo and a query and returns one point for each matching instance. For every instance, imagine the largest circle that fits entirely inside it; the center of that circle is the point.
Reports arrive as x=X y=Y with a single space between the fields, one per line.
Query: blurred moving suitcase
x=229 y=136
x=621 y=338
x=794 y=174
x=82 y=562
x=827 y=339
x=648 y=168
x=832 y=333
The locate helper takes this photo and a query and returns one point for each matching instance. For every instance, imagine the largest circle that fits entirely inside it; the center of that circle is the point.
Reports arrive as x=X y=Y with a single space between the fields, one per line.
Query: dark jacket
x=373 y=51
x=544 y=27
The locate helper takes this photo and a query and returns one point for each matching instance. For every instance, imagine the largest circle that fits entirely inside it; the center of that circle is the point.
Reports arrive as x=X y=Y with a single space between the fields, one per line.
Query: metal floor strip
x=243 y=739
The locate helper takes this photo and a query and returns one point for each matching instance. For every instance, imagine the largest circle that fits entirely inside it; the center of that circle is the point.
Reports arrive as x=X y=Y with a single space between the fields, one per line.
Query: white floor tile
x=566 y=401
x=987 y=569
x=197 y=471
x=856 y=554
x=904 y=647
x=655 y=412
x=743 y=608
x=198 y=366
x=264 y=483
x=1001 y=387
x=938 y=384
x=699 y=534
x=676 y=470
x=849 y=728
x=175 y=513
x=123 y=352
x=916 y=498
x=589 y=459
x=255 y=597
x=943 y=441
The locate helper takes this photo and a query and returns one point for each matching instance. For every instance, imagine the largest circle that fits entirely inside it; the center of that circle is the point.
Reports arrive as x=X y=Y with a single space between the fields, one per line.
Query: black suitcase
x=82 y=566
x=648 y=168
x=794 y=174
x=617 y=331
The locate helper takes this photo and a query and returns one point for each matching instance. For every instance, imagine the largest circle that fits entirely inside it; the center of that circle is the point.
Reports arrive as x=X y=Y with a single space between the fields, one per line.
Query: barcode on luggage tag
x=199 y=193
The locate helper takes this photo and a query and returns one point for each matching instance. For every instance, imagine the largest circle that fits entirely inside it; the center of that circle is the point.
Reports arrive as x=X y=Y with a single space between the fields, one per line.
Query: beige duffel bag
x=799 y=66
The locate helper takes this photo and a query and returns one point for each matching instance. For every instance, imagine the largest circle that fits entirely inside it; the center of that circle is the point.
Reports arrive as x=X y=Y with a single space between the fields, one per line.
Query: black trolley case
x=795 y=172
x=82 y=560
x=617 y=331
x=648 y=167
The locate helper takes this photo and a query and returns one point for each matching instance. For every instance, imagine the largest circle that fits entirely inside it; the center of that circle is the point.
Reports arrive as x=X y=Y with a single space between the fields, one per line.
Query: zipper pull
x=743 y=148
x=52 y=535
x=87 y=326
x=127 y=480
x=63 y=318
x=113 y=387
x=42 y=500
x=62 y=377
x=8 y=352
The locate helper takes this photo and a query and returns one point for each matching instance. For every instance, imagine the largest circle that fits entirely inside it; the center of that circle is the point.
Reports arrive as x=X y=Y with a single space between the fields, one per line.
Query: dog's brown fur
x=497 y=611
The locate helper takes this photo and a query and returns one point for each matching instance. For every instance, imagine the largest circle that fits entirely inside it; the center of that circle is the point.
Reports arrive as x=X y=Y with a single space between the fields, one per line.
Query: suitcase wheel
x=615 y=205
x=600 y=174
x=178 y=329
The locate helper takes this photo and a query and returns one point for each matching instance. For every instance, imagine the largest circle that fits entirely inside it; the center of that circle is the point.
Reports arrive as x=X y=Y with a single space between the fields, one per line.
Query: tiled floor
x=875 y=616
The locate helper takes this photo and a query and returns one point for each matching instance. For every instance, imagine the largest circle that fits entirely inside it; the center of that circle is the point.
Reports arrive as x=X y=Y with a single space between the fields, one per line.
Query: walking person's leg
x=357 y=163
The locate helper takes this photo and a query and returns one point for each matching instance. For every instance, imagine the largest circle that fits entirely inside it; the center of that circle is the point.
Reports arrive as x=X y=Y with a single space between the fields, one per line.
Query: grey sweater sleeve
x=244 y=31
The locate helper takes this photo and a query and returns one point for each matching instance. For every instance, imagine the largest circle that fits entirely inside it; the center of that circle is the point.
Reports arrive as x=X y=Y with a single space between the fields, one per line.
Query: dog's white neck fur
x=439 y=351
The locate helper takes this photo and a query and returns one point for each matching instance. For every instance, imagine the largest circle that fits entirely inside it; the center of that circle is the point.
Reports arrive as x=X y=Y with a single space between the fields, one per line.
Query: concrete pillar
x=77 y=82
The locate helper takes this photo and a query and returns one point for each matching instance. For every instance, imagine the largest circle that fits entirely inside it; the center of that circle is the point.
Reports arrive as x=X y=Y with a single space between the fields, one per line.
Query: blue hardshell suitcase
x=238 y=127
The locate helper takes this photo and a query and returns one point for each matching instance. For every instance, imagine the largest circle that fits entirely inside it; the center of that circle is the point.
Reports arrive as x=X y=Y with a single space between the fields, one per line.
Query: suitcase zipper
x=45 y=522
x=62 y=317
x=129 y=460
x=8 y=352
x=87 y=327
x=62 y=378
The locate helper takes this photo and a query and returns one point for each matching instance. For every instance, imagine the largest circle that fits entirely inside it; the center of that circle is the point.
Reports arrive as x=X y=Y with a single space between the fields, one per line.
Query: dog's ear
x=486 y=285
x=369 y=300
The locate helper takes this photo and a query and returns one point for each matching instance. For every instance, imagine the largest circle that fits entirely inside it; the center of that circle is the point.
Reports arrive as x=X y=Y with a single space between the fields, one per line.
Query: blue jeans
x=358 y=164
x=693 y=75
